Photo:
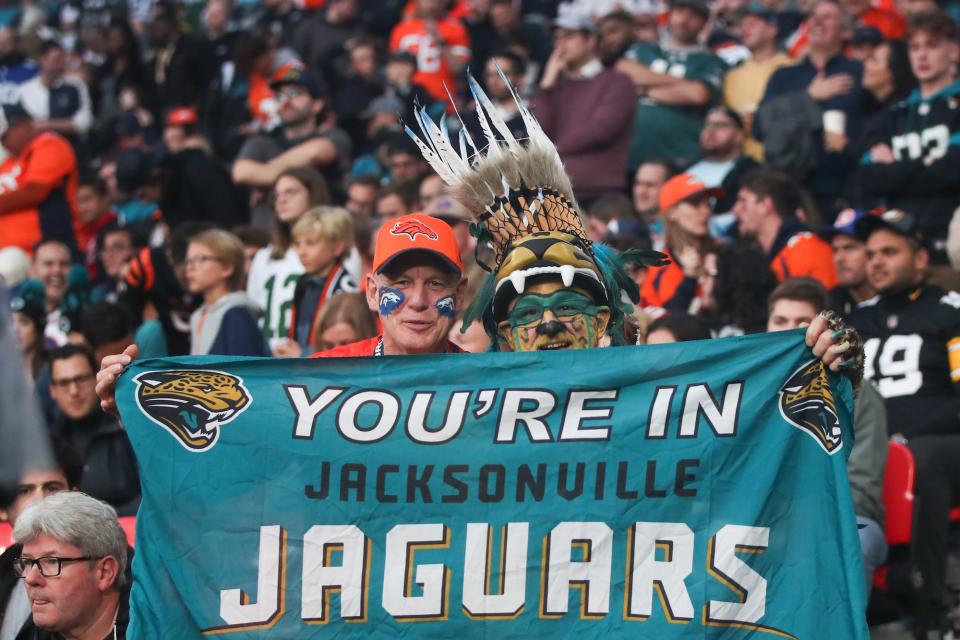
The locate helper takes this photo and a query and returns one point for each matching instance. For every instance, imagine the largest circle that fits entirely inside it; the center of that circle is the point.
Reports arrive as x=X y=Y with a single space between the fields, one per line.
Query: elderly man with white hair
x=73 y=562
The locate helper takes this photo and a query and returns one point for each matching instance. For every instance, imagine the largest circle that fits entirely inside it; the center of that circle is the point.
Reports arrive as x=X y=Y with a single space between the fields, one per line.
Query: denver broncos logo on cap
x=413 y=227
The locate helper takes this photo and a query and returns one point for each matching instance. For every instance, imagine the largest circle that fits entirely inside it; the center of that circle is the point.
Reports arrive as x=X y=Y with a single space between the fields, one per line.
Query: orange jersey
x=432 y=73
x=661 y=283
x=459 y=10
x=805 y=254
x=48 y=160
x=262 y=101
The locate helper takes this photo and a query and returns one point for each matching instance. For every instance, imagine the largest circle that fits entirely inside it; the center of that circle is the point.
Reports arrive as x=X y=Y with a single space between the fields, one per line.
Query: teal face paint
x=566 y=305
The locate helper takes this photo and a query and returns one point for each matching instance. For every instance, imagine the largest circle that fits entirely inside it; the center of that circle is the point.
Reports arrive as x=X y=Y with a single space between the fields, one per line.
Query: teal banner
x=693 y=490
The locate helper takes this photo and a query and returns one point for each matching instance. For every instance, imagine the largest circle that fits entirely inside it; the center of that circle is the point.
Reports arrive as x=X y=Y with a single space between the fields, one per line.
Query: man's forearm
x=643 y=77
x=682 y=93
x=29 y=195
x=251 y=173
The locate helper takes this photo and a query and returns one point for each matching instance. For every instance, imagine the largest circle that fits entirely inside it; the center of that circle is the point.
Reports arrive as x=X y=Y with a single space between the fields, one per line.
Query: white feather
x=493 y=114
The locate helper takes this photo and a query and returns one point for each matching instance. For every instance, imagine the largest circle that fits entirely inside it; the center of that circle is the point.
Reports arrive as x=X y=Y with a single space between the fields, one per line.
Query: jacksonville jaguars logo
x=807 y=403
x=192 y=405
x=413 y=228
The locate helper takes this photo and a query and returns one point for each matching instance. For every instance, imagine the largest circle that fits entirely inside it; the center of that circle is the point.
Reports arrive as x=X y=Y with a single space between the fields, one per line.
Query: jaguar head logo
x=192 y=405
x=807 y=403
x=413 y=227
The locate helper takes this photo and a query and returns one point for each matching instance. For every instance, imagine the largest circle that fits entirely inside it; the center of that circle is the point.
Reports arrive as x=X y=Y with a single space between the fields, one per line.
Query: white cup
x=834 y=121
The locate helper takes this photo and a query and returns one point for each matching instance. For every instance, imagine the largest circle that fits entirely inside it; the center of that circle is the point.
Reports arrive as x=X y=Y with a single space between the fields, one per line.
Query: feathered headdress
x=523 y=203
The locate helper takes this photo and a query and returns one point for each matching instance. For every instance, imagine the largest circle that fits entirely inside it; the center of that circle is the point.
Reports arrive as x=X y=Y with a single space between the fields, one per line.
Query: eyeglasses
x=66 y=383
x=290 y=92
x=198 y=261
x=565 y=306
x=116 y=248
x=289 y=193
x=49 y=566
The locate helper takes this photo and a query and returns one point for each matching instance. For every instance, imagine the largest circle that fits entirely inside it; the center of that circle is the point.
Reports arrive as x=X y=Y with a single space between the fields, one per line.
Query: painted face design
x=390 y=300
x=545 y=320
x=446 y=307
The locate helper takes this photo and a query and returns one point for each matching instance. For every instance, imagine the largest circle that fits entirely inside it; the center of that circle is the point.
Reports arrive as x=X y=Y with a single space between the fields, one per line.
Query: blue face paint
x=390 y=300
x=446 y=307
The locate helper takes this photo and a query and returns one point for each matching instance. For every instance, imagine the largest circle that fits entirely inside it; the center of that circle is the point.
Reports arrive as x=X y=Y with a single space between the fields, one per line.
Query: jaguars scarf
x=693 y=490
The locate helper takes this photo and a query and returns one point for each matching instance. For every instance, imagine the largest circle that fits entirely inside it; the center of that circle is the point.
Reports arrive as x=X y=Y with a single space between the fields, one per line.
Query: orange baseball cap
x=680 y=187
x=415 y=232
x=182 y=116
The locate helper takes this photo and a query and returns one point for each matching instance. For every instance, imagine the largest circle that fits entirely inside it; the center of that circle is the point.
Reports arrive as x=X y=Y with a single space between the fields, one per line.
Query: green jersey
x=667 y=132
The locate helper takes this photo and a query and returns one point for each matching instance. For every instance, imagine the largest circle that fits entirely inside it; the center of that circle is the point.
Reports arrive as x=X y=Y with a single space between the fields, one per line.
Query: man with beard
x=723 y=163
x=617 y=35
x=766 y=210
x=301 y=98
x=912 y=334
x=676 y=82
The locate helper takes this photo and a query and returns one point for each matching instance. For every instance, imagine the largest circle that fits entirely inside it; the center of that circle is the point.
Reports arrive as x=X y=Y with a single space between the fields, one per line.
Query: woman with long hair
x=735 y=284
x=276 y=268
x=887 y=76
x=685 y=203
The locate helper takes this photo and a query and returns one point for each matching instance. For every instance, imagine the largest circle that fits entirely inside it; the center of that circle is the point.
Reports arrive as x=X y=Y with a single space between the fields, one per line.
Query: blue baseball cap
x=845 y=224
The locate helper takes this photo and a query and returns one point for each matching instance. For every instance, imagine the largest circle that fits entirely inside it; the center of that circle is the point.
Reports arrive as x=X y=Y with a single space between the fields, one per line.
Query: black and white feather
x=479 y=171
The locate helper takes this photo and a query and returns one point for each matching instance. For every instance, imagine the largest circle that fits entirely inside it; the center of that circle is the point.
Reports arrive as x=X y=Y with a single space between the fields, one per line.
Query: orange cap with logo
x=415 y=232
x=680 y=187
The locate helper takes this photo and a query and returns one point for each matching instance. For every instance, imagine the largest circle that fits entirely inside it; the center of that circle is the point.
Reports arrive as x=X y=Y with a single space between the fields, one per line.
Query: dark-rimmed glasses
x=49 y=566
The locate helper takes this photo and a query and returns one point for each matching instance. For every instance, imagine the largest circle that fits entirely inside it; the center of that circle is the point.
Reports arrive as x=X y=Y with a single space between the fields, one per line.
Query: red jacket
x=661 y=283
x=805 y=254
x=366 y=348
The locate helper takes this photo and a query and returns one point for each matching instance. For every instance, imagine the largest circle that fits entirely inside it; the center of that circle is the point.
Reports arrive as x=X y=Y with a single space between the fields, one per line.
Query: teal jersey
x=672 y=132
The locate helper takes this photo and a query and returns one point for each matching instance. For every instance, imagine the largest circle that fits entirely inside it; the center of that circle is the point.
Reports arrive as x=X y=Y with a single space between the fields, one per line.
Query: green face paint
x=562 y=319
x=565 y=305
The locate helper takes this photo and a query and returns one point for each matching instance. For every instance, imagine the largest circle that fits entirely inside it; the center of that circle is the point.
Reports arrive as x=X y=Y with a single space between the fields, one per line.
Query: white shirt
x=35 y=98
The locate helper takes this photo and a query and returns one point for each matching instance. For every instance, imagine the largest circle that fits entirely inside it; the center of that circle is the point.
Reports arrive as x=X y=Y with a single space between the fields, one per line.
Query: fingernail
x=836 y=335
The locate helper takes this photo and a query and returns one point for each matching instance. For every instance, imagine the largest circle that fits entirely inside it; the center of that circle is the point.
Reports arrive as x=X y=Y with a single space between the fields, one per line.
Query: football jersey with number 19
x=912 y=354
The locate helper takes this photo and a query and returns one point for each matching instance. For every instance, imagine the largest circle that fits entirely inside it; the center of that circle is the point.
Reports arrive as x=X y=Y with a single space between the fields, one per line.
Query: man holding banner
x=669 y=491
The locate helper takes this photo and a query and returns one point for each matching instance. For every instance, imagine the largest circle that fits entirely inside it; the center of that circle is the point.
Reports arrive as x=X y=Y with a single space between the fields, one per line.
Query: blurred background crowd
x=206 y=177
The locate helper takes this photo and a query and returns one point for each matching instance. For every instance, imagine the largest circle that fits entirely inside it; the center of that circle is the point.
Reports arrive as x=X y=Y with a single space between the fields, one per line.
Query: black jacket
x=924 y=135
x=8 y=580
x=197 y=187
x=110 y=471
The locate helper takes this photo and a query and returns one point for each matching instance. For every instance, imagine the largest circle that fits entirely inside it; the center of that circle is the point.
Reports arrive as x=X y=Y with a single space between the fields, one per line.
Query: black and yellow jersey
x=912 y=353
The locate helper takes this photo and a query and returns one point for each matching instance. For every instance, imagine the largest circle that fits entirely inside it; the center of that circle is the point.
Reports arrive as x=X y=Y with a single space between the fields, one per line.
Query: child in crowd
x=322 y=238
x=225 y=324
x=344 y=319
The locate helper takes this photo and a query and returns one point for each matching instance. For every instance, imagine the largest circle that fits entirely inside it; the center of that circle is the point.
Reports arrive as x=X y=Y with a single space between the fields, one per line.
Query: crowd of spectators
x=208 y=177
